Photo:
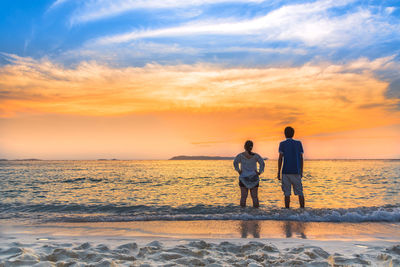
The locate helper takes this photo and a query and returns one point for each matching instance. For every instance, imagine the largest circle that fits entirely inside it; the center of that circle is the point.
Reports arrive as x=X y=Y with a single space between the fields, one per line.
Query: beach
x=186 y=213
x=201 y=243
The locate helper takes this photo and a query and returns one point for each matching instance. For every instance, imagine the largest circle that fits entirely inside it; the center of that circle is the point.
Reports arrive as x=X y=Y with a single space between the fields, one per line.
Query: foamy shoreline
x=199 y=244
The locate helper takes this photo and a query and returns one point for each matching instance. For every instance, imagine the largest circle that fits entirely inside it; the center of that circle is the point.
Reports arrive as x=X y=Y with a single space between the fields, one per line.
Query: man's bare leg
x=244 y=192
x=301 y=201
x=287 y=202
x=254 y=196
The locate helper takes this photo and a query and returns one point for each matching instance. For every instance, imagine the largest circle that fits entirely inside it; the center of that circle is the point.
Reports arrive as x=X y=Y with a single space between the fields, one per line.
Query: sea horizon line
x=170 y=159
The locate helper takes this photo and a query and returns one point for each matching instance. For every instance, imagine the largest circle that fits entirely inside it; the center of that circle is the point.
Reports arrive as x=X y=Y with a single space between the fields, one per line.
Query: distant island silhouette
x=33 y=159
x=203 y=158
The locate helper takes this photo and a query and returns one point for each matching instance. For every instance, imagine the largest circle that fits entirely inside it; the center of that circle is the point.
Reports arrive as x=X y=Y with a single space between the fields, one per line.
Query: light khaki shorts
x=289 y=180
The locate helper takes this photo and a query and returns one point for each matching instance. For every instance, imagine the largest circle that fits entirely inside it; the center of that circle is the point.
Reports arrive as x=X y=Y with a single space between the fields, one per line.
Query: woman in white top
x=248 y=174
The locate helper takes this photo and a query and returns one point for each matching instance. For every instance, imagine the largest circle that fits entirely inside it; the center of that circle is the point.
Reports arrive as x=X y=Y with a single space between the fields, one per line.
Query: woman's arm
x=236 y=164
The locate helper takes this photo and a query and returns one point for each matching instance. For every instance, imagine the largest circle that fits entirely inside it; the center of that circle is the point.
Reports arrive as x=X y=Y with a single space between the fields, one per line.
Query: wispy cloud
x=308 y=23
x=99 y=9
x=57 y=3
x=137 y=52
x=141 y=52
x=277 y=32
x=264 y=50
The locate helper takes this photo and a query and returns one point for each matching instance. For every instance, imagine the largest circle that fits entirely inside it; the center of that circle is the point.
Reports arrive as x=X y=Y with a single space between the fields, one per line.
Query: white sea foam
x=362 y=214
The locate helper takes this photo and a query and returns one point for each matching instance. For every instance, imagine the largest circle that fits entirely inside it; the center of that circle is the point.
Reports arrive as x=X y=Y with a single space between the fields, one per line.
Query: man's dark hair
x=289 y=132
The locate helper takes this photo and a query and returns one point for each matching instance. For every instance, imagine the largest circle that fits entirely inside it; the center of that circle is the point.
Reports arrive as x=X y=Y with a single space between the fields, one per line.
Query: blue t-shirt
x=292 y=151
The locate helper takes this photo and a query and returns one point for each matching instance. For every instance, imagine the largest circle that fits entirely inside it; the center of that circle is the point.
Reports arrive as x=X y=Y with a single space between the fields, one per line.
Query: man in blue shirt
x=291 y=151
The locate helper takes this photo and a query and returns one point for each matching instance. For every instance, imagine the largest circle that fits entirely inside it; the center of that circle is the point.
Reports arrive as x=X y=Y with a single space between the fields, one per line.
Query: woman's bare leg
x=244 y=192
x=254 y=196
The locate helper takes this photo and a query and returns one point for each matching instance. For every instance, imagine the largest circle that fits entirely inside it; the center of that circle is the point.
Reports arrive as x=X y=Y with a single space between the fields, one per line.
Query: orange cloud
x=203 y=103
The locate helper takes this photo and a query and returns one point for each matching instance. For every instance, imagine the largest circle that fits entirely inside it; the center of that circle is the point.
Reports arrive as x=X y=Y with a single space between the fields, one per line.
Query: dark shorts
x=242 y=185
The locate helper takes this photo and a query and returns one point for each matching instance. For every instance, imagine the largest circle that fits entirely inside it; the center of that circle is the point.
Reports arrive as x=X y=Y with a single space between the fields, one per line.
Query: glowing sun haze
x=130 y=81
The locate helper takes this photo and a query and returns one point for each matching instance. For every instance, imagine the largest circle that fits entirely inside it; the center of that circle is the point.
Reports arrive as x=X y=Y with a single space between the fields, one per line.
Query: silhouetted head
x=289 y=132
x=248 y=146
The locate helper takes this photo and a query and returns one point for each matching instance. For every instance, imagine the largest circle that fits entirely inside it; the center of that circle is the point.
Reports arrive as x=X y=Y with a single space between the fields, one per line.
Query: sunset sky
x=136 y=79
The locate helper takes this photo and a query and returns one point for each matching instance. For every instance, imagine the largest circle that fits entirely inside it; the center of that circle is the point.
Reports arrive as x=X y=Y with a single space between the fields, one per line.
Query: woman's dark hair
x=248 y=146
x=289 y=132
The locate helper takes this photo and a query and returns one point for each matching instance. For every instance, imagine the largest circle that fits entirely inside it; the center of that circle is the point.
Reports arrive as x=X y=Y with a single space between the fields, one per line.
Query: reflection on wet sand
x=250 y=227
x=290 y=227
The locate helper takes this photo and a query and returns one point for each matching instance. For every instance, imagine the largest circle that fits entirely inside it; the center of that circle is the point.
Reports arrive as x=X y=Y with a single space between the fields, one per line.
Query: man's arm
x=301 y=164
x=279 y=165
x=261 y=163
x=301 y=159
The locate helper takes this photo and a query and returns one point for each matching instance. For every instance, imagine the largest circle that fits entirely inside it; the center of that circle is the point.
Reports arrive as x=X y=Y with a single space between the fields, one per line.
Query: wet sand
x=200 y=243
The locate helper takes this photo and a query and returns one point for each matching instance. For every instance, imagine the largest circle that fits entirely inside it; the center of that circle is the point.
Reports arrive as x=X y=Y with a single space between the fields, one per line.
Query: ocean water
x=94 y=191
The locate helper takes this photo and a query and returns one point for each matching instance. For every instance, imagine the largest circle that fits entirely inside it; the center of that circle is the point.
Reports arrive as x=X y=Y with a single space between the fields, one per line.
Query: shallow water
x=335 y=190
